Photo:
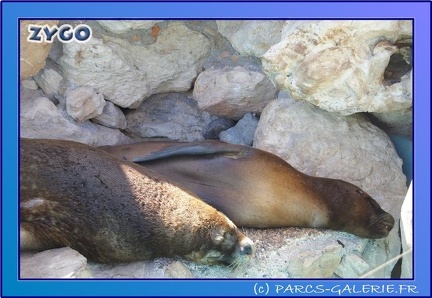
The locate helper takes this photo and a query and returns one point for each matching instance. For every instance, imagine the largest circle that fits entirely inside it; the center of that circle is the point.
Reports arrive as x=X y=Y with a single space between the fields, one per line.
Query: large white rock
x=83 y=103
x=339 y=65
x=126 y=74
x=251 y=38
x=350 y=148
x=119 y=26
x=231 y=93
x=40 y=118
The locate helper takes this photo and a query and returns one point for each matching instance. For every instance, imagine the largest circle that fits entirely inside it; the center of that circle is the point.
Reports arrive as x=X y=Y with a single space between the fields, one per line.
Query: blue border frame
x=12 y=11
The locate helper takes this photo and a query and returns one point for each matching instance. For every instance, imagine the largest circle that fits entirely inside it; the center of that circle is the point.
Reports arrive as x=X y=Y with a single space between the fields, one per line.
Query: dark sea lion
x=110 y=210
x=255 y=188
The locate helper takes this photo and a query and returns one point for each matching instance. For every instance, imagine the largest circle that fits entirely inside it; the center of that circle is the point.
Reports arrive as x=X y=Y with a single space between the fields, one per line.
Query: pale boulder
x=339 y=65
x=251 y=38
x=83 y=103
x=127 y=74
x=231 y=93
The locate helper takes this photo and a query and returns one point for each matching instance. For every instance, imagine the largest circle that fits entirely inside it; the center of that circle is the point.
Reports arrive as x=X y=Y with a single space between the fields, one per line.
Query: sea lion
x=110 y=210
x=255 y=188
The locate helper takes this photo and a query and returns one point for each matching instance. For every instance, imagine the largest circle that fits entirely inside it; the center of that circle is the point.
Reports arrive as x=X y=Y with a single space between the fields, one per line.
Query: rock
x=174 y=61
x=28 y=94
x=340 y=65
x=215 y=127
x=55 y=263
x=243 y=133
x=352 y=266
x=29 y=84
x=49 y=80
x=40 y=118
x=173 y=115
x=84 y=103
x=222 y=53
x=111 y=117
x=397 y=122
x=350 y=148
x=122 y=270
x=289 y=253
x=178 y=270
x=231 y=93
x=127 y=74
x=143 y=269
x=407 y=234
x=252 y=38
x=119 y=26
x=32 y=54
x=316 y=264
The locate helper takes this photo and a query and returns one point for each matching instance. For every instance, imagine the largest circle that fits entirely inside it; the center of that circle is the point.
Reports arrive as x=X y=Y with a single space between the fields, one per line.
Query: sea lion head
x=227 y=245
x=356 y=212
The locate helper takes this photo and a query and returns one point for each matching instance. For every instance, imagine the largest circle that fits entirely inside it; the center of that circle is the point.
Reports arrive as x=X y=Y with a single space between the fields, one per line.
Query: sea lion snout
x=245 y=249
x=231 y=246
x=383 y=225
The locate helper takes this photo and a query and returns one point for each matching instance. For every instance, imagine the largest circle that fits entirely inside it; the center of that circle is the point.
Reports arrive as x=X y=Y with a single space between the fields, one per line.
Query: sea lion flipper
x=187 y=149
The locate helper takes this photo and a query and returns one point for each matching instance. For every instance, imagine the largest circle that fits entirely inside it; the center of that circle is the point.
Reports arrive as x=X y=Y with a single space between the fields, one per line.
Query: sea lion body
x=115 y=211
x=255 y=188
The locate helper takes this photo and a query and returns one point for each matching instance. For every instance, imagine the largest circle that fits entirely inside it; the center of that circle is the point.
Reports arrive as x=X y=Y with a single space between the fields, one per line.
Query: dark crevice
x=396 y=69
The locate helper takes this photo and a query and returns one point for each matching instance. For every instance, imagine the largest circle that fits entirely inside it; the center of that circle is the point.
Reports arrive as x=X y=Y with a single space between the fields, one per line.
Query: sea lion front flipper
x=191 y=149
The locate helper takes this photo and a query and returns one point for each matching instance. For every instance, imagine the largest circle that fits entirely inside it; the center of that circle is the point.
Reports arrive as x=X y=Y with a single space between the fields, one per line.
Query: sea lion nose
x=247 y=247
x=389 y=221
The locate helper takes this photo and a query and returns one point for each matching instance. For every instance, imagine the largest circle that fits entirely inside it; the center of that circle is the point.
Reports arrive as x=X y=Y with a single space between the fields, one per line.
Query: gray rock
x=231 y=93
x=339 y=65
x=49 y=80
x=29 y=84
x=243 y=132
x=178 y=270
x=143 y=269
x=350 y=148
x=173 y=115
x=352 y=266
x=55 y=263
x=40 y=118
x=83 y=103
x=397 y=122
x=215 y=127
x=252 y=38
x=111 y=117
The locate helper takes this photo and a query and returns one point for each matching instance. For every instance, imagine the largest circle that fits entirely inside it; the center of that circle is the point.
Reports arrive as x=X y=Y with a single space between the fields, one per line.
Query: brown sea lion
x=258 y=189
x=115 y=211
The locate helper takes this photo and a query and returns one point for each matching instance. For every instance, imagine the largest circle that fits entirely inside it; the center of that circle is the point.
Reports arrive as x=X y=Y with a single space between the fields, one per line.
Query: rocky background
x=324 y=95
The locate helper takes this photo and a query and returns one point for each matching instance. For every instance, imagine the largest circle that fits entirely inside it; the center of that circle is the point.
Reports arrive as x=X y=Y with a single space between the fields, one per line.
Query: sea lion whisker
x=377 y=220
